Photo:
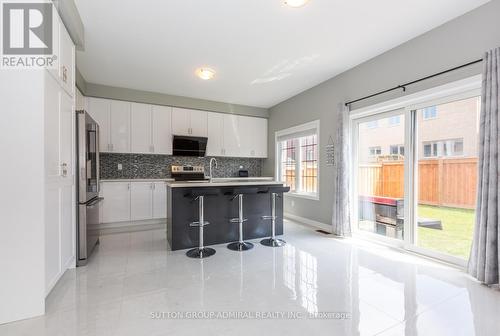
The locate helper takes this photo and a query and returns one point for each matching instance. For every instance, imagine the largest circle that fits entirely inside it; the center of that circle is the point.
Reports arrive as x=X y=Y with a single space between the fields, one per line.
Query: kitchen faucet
x=211 y=170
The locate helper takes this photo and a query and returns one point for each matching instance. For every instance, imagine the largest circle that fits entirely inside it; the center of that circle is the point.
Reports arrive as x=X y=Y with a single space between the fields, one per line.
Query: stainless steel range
x=188 y=173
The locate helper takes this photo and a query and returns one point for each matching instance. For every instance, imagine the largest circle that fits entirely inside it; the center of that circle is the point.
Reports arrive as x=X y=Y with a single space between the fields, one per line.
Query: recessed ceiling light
x=205 y=73
x=295 y=3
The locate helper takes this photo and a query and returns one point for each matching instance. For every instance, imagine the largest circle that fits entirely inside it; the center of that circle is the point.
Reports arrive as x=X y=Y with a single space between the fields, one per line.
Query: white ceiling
x=263 y=51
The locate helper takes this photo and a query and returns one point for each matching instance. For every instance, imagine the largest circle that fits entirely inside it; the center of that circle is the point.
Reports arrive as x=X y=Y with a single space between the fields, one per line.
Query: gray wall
x=454 y=43
x=138 y=96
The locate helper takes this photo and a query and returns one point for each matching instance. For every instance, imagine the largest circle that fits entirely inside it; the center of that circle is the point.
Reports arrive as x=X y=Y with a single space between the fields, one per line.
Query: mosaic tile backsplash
x=147 y=166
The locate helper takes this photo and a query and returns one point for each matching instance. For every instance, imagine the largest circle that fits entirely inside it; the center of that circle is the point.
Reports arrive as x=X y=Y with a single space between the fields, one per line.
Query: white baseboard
x=309 y=222
x=69 y=264
x=116 y=225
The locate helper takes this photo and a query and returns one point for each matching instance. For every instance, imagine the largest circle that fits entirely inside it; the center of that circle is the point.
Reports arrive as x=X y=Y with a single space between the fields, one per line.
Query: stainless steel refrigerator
x=88 y=199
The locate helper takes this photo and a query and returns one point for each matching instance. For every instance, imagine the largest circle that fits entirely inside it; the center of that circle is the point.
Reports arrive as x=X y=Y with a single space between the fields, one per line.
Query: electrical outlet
x=120 y=167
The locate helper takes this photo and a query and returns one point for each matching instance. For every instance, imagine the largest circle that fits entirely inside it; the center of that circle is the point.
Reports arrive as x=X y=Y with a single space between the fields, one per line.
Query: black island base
x=219 y=209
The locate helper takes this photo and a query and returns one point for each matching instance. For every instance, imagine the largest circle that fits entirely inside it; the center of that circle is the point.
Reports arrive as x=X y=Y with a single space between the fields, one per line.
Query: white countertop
x=225 y=182
x=216 y=181
x=139 y=180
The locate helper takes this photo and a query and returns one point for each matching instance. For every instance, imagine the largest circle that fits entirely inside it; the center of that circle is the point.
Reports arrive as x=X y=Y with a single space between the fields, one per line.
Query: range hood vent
x=189 y=146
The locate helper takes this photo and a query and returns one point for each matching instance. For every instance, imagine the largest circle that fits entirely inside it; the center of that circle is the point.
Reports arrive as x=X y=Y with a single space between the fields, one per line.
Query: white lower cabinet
x=116 y=204
x=133 y=201
x=159 y=200
x=141 y=201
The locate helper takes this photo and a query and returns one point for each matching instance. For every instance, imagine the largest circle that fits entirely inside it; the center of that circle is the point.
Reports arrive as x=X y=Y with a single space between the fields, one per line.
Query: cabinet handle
x=64 y=169
x=128 y=186
x=64 y=74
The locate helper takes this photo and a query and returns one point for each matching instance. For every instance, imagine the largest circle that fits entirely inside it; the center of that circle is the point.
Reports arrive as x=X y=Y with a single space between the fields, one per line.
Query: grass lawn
x=456 y=236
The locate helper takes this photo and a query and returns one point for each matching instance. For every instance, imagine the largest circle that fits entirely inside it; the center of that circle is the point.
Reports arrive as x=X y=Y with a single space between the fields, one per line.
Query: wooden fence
x=442 y=182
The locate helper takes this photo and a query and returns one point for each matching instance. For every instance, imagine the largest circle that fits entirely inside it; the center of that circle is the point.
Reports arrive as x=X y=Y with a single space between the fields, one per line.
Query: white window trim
x=296 y=129
x=454 y=91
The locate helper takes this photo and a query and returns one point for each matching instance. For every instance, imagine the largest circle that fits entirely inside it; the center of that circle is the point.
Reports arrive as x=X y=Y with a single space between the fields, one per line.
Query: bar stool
x=273 y=241
x=199 y=195
x=240 y=245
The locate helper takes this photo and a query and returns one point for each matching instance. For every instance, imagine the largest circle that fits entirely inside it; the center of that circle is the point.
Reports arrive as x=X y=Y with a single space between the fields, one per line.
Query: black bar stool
x=240 y=245
x=199 y=195
x=273 y=241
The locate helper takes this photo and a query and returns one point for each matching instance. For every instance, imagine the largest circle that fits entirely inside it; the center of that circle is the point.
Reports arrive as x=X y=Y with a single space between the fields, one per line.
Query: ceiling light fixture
x=295 y=3
x=205 y=73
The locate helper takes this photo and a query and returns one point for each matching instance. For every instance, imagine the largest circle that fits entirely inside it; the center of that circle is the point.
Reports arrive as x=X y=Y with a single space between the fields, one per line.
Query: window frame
x=376 y=149
x=435 y=112
x=458 y=90
x=438 y=148
x=392 y=119
x=312 y=125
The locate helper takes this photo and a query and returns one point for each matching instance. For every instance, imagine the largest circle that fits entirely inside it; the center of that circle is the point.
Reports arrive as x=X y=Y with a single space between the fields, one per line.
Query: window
x=444 y=148
x=376 y=150
x=372 y=124
x=397 y=150
x=298 y=164
x=430 y=113
x=394 y=121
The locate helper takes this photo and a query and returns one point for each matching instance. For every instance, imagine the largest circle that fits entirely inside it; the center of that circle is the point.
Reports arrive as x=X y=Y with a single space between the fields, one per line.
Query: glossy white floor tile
x=132 y=276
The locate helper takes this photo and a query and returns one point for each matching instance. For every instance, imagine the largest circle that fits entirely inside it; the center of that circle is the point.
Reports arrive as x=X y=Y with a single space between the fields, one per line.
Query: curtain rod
x=403 y=86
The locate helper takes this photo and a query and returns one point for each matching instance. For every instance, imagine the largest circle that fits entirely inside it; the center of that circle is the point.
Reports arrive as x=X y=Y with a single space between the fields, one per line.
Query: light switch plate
x=120 y=166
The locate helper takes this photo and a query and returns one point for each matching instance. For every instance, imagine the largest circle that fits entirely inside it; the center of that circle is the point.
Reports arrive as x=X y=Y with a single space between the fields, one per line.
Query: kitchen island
x=219 y=209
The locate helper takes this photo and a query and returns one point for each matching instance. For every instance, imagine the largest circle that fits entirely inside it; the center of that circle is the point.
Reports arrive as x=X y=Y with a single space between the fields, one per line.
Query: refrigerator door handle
x=97 y=160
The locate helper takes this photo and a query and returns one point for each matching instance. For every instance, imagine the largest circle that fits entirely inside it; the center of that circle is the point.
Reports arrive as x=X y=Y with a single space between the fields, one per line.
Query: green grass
x=456 y=236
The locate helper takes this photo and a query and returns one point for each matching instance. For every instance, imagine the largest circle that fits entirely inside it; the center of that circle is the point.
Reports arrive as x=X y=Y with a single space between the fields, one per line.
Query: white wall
x=459 y=41
x=22 y=262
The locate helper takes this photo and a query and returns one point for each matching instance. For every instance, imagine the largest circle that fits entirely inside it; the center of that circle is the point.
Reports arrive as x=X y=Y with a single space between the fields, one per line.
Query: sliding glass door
x=446 y=176
x=380 y=172
x=415 y=175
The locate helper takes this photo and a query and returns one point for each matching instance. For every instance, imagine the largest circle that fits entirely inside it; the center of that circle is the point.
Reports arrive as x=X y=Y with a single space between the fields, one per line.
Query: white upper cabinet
x=215 y=127
x=63 y=48
x=181 y=121
x=147 y=129
x=140 y=128
x=120 y=126
x=99 y=109
x=231 y=135
x=199 y=123
x=260 y=137
x=55 y=68
x=67 y=61
x=253 y=136
x=189 y=122
x=162 y=129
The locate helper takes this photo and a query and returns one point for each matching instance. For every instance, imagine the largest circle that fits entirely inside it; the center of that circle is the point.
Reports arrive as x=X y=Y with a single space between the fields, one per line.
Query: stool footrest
x=198 y=223
x=237 y=220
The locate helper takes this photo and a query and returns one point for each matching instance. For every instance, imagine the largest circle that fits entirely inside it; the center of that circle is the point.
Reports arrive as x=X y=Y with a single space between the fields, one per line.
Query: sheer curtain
x=341 y=221
x=484 y=262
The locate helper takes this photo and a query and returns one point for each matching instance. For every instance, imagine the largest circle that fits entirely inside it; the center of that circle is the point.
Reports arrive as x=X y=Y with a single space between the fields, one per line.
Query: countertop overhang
x=233 y=183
